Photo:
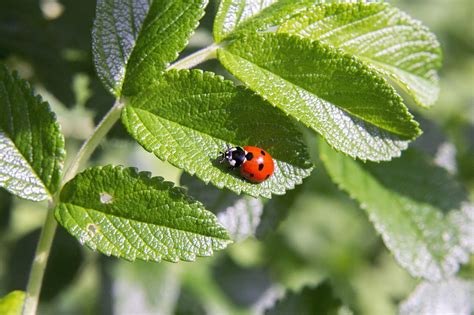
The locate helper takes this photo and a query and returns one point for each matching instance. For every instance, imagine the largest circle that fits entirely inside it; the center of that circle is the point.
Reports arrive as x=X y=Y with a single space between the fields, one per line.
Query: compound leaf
x=121 y=212
x=187 y=117
x=351 y=106
x=420 y=211
x=134 y=41
x=31 y=143
x=384 y=37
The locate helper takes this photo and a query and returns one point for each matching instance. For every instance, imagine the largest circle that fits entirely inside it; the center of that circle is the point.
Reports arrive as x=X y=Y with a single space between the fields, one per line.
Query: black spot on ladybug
x=251 y=175
x=260 y=167
x=266 y=177
x=249 y=156
x=263 y=152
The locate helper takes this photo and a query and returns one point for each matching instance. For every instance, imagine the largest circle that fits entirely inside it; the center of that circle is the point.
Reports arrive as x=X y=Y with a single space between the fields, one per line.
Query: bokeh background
x=323 y=237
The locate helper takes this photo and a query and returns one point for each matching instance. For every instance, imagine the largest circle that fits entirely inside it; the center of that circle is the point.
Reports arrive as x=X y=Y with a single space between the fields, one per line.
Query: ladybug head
x=234 y=156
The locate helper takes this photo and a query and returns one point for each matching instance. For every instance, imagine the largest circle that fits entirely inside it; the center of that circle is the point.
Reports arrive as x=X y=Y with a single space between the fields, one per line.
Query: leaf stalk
x=48 y=230
x=188 y=62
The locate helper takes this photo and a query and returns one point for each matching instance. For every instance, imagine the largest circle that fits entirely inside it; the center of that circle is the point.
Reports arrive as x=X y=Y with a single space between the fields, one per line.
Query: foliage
x=12 y=303
x=32 y=146
x=331 y=89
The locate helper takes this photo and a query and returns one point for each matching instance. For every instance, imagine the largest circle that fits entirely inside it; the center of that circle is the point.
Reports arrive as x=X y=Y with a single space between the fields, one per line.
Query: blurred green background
x=324 y=235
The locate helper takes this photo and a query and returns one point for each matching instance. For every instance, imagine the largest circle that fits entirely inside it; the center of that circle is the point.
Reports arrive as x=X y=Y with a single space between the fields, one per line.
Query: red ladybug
x=255 y=164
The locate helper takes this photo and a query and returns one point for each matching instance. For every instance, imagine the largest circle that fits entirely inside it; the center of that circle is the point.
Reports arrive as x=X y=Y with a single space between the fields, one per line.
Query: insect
x=255 y=164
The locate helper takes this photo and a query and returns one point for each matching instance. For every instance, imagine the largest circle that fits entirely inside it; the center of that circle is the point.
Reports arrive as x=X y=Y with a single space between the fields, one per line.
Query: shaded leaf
x=275 y=211
x=12 y=303
x=318 y=300
x=413 y=205
x=155 y=287
x=187 y=117
x=240 y=215
x=355 y=110
x=134 y=41
x=244 y=286
x=382 y=36
x=189 y=304
x=121 y=212
x=31 y=143
x=452 y=296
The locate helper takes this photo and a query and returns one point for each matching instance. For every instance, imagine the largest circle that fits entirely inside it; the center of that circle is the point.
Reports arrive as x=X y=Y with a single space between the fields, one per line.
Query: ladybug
x=255 y=164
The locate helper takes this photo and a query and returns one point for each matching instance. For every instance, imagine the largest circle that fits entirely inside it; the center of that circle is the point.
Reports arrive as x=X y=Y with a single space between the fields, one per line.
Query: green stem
x=196 y=58
x=93 y=141
x=49 y=227
x=38 y=268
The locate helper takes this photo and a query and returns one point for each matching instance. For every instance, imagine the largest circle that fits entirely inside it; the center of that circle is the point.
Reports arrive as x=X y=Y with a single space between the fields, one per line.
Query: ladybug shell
x=258 y=165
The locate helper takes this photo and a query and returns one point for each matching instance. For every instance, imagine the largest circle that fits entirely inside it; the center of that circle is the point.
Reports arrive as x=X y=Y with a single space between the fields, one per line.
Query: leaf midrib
x=86 y=209
x=137 y=110
x=385 y=65
x=19 y=89
x=293 y=85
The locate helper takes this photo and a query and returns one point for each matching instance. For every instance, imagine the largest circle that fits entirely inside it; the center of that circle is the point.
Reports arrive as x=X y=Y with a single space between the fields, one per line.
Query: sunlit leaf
x=121 y=212
x=355 y=110
x=384 y=37
x=31 y=144
x=134 y=41
x=233 y=12
x=452 y=296
x=12 y=303
x=187 y=117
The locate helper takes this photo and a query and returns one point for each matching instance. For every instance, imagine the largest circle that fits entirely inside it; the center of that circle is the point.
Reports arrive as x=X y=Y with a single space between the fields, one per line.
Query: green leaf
x=231 y=13
x=127 y=214
x=134 y=41
x=413 y=205
x=187 y=117
x=452 y=296
x=355 y=110
x=384 y=37
x=230 y=23
x=318 y=300
x=12 y=303
x=31 y=143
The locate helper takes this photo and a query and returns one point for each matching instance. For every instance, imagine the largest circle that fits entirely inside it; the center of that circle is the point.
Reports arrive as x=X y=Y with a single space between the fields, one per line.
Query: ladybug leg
x=221 y=157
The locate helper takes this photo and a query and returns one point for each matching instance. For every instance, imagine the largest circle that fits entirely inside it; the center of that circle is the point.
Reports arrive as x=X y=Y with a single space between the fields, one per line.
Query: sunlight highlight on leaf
x=187 y=117
x=147 y=218
x=31 y=143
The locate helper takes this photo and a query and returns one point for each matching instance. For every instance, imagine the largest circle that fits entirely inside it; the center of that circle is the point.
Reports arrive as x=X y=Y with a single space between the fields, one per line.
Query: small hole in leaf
x=92 y=229
x=106 y=198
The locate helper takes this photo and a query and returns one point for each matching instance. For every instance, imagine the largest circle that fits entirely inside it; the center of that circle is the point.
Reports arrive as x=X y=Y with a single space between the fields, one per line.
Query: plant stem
x=93 y=141
x=49 y=227
x=38 y=268
x=195 y=58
